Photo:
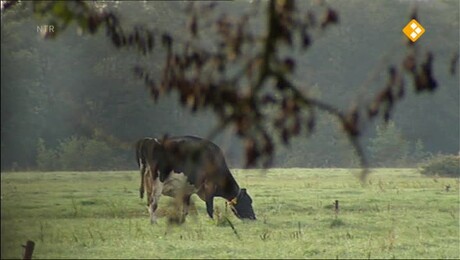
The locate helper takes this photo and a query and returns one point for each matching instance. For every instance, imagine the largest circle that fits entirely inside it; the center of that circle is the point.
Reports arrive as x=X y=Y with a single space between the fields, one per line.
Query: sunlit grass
x=396 y=214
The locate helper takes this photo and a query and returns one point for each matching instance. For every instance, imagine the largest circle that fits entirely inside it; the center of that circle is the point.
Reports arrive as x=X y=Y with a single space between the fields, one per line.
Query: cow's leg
x=156 y=193
x=186 y=206
x=210 y=206
x=210 y=189
x=141 y=188
x=148 y=184
x=206 y=193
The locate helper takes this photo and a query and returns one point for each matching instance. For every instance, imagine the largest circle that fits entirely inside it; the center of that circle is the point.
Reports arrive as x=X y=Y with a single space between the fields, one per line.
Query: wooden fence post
x=336 y=206
x=28 y=249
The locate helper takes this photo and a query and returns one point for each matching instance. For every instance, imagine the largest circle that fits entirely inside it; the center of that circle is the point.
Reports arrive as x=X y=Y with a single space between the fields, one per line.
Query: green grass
x=397 y=214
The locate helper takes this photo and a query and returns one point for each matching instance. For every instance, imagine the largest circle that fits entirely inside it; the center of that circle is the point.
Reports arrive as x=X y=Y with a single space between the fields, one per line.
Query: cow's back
x=202 y=150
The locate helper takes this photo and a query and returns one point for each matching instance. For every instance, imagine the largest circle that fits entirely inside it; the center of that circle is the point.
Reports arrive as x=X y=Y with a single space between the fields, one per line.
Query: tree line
x=73 y=103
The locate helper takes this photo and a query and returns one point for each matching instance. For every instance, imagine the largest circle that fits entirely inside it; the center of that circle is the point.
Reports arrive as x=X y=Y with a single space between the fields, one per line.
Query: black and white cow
x=181 y=166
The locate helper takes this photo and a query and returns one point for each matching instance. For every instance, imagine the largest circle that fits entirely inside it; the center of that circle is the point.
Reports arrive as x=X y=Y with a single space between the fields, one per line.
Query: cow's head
x=241 y=205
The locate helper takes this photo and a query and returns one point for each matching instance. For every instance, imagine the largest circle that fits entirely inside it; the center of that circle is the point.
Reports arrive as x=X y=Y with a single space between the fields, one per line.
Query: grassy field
x=398 y=214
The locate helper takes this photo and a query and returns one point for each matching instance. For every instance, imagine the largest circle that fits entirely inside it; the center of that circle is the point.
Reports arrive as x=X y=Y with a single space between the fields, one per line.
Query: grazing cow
x=180 y=166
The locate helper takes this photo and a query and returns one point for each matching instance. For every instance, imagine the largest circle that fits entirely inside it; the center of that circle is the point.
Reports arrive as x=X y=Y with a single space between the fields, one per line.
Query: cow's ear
x=243 y=190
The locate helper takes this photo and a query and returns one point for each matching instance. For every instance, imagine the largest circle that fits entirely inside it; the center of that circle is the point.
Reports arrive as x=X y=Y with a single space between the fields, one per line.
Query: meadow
x=397 y=213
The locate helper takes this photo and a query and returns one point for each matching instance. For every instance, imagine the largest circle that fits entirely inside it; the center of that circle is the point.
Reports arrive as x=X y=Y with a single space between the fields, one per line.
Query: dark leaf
x=268 y=99
x=154 y=93
x=414 y=14
x=166 y=40
x=8 y=4
x=386 y=115
x=373 y=110
x=285 y=136
x=116 y=40
x=392 y=74
x=193 y=26
x=331 y=17
x=306 y=40
x=150 y=41
x=287 y=5
x=281 y=84
x=296 y=127
x=425 y=78
x=409 y=63
x=93 y=23
x=251 y=152
x=350 y=123
x=289 y=63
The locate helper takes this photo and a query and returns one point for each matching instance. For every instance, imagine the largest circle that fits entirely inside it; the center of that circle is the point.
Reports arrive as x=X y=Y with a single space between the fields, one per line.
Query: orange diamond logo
x=413 y=30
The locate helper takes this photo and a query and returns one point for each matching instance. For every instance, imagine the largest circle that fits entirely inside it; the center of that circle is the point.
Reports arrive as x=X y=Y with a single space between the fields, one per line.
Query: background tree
x=389 y=146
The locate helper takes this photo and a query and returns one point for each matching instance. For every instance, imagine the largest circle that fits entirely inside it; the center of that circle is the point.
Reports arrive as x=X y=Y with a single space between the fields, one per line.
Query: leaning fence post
x=28 y=249
x=447 y=187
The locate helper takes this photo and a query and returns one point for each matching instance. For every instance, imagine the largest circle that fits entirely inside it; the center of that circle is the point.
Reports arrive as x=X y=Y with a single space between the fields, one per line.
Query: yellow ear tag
x=234 y=201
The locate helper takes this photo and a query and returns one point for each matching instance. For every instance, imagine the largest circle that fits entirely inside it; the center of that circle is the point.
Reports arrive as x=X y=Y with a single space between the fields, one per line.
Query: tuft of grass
x=265 y=235
x=297 y=234
x=337 y=222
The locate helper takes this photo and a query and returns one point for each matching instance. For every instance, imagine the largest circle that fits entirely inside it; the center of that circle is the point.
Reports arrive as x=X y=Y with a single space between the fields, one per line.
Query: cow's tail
x=141 y=166
x=138 y=151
